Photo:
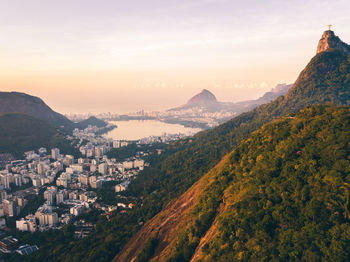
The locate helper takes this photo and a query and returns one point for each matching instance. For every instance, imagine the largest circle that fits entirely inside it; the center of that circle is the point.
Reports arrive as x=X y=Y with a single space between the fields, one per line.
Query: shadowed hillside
x=14 y=102
x=20 y=133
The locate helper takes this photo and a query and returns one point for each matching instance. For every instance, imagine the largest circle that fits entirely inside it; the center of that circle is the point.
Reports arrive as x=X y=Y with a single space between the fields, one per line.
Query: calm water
x=137 y=129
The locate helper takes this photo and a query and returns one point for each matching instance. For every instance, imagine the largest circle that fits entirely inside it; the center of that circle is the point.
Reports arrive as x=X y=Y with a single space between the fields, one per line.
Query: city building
x=119 y=188
x=128 y=164
x=84 y=179
x=139 y=163
x=46 y=217
x=10 y=207
x=55 y=153
x=27 y=224
x=102 y=168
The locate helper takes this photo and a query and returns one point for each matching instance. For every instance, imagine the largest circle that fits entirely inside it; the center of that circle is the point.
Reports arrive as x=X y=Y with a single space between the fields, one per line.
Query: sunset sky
x=121 y=56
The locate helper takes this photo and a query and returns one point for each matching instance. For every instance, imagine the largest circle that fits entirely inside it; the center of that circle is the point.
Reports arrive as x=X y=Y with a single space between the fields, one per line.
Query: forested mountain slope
x=20 y=133
x=282 y=194
x=21 y=103
x=326 y=79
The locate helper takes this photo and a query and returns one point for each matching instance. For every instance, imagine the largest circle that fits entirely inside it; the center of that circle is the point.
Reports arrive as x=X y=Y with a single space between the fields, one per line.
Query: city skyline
x=85 y=56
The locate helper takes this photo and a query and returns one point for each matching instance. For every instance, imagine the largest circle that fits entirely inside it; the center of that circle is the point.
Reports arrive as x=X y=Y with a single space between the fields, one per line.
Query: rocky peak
x=203 y=97
x=330 y=40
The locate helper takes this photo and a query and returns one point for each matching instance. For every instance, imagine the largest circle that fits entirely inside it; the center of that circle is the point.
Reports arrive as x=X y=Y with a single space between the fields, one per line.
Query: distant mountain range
x=207 y=102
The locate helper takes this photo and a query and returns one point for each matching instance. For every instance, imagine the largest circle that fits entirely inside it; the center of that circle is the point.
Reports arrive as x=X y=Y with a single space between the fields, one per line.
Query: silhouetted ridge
x=21 y=103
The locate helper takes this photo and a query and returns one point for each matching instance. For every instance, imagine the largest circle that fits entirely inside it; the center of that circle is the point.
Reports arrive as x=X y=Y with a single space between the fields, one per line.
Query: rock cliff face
x=330 y=40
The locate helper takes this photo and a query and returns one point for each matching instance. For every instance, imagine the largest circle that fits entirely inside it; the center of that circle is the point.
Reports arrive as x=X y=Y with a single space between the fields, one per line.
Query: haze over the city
x=120 y=56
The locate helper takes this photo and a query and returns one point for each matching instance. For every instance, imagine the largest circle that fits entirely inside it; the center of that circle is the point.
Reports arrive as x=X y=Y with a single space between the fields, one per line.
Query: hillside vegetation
x=281 y=195
x=326 y=79
x=284 y=195
x=20 y=133
x=93 y=121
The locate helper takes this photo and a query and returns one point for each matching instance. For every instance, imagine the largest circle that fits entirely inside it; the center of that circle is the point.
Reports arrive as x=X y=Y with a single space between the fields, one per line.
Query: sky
x=85 y=56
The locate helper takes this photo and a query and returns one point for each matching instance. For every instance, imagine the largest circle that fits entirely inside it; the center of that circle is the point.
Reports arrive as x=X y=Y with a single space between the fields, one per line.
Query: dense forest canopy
x=20 y=133
x=283 y=195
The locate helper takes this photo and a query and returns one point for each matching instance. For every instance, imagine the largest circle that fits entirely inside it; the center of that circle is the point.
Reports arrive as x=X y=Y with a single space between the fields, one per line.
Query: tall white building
x=102 y=168
x=60 y=196
x=55 y=153
x=18 y=180
x=50 y=195
x=45 y=216
x=5 y=180
x=40 y=168
x=10 y=207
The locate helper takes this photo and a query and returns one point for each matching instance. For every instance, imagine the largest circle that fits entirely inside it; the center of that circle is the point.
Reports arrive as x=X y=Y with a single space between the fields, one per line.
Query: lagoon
x=138 y=129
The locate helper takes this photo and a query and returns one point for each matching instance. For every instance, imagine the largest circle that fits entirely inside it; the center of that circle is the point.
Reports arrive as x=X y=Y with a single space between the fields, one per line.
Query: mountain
x=245 y=106
x=93 y=121
x=326 y=79
x=20 y=103
x=279 y=90
x=207 y=101
x=280 y=195
x=330 y=41
x=204 y=98
x=20 y=133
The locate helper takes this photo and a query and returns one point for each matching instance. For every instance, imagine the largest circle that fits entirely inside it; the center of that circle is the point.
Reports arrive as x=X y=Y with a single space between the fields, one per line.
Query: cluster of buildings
x=73 y=185
x=26 y=176
x=67 y=185
x=9 y=244
x=90 y=143
x=63 y=180
x=164 y=138
x=197 y=115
